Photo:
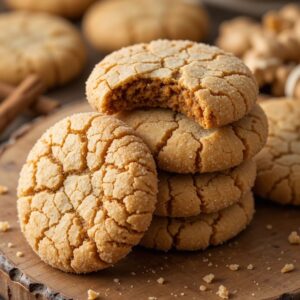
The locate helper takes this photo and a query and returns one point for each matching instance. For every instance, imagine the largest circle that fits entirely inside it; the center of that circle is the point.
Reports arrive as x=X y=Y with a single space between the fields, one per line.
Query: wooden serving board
x=268 y=250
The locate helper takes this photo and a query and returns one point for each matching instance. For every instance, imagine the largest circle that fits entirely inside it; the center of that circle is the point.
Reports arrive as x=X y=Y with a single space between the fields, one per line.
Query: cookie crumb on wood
x=152 y=298
x=116 y=280
x=202 y=288
x=250 y=267
x=234 y=267
x=294 y=238
x=19 y=254
x=209 y=278
x=4 y=226
x=3 y=189
x=223 y=292
x=161 y=280
x=93 y=295
x=269 y=226
x=10 y=245
x=288 y=268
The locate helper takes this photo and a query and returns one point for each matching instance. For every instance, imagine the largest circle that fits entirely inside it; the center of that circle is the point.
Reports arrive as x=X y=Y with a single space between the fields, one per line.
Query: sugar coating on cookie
x=169 y=134
x=199 y=232
x=110 y=25
x=203 y=82
x=86 y=193
x=278 y=164
x=65 y=8
x=39 y=43
x=190 y=195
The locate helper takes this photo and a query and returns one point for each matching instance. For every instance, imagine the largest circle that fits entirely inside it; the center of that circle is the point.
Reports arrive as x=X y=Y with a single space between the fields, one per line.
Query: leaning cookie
x=111 y=25
x=203 y=82
x=65 y=8
x=190 y=195
x=278 y=164
x=39 y=43
x=86 y=193
x=169 y=135
x=199 y=232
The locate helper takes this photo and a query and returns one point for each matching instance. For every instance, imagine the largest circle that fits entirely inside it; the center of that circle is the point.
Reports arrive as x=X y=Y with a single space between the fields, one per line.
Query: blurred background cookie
x=110 y=25
x=65 y=8
x=39 y=43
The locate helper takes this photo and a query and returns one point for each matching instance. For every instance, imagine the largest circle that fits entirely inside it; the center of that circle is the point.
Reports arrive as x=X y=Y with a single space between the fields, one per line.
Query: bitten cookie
x=87 y=193
x=190 y=195
x=203 y=82
x=39 y=43
x=65 y=8
x=199 y=232
x=169 y=135
x=278 y=164
x=110 y=25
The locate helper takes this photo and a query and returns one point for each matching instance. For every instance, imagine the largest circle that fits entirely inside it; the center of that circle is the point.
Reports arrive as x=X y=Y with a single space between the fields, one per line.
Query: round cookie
x=197 y=233
x=86 y=193
x=278 y=164
x=65 y=8
x=39 y=43
x=110 y=25
x=203 y=82
x=169 y=135
x=190 y=195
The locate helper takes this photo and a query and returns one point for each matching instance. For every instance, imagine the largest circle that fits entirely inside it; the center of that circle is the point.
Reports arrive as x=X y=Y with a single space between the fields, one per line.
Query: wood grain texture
x=29 y=278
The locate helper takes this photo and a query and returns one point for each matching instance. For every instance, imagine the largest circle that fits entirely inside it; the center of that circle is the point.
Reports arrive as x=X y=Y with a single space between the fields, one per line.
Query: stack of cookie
x=202 y=126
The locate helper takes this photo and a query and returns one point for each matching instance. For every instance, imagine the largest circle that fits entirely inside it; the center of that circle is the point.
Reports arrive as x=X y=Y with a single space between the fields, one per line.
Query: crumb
x=288 y=268
x=223 y=292
x=116 y=280
x=269 y=268
x=19 y=254
x=233 y=267
x=161 y=280
x=182 y=294
x=294 y=238
x=4 y=226
x=209 y=278
x=202 y=288
x=3 y=189
x=253 y=294
x=152 y=298
x=279 y=258
x=92 y=295
x=250 y=267
x=131 y=286
x=209 y=264
x=133 y=273
x=185 y=286
x=269 y=226
x=209 y=254
x=10 y=245
x=234 y=292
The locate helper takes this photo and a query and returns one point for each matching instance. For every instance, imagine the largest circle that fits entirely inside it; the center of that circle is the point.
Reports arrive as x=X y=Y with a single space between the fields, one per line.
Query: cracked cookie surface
x=197 y=233
x=86 y=193
x=190 y=195
x=66 y=8
x=39 y=43
x=278 y=164
x=111 y=25
x=203 y=82
x=169 y=134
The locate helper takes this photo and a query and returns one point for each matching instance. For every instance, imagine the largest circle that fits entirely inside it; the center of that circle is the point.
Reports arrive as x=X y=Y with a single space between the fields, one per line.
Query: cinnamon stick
x=42 y=106
x=21 y=98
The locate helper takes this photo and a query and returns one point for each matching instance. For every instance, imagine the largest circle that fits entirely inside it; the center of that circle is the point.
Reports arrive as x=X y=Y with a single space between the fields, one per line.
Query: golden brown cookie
x=110 y=25
x=86 y=193
x=39 y=43
x=169 y=135
x=65 y=8
x=278 y=164
x=203 y=82
x=197 y=233
x=190 y=195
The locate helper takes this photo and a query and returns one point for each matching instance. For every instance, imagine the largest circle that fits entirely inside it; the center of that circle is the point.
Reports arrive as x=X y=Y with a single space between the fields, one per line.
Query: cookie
x=65 y=8
x=169 y=135
x=86 y=193
x=199 y=232
x=203 y=82
x=190 y=195
x=39 y=43
x=110 y=25
x=278 y=163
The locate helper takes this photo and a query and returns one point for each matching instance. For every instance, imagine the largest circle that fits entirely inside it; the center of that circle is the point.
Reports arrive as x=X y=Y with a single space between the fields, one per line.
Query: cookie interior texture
x=110 y=25
x=203 y=82
x=199 y=232
x=66 y=8
x=169 y=134
x=278 y=163
x=190 y=195
x=39 y=43
x=86 y=193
